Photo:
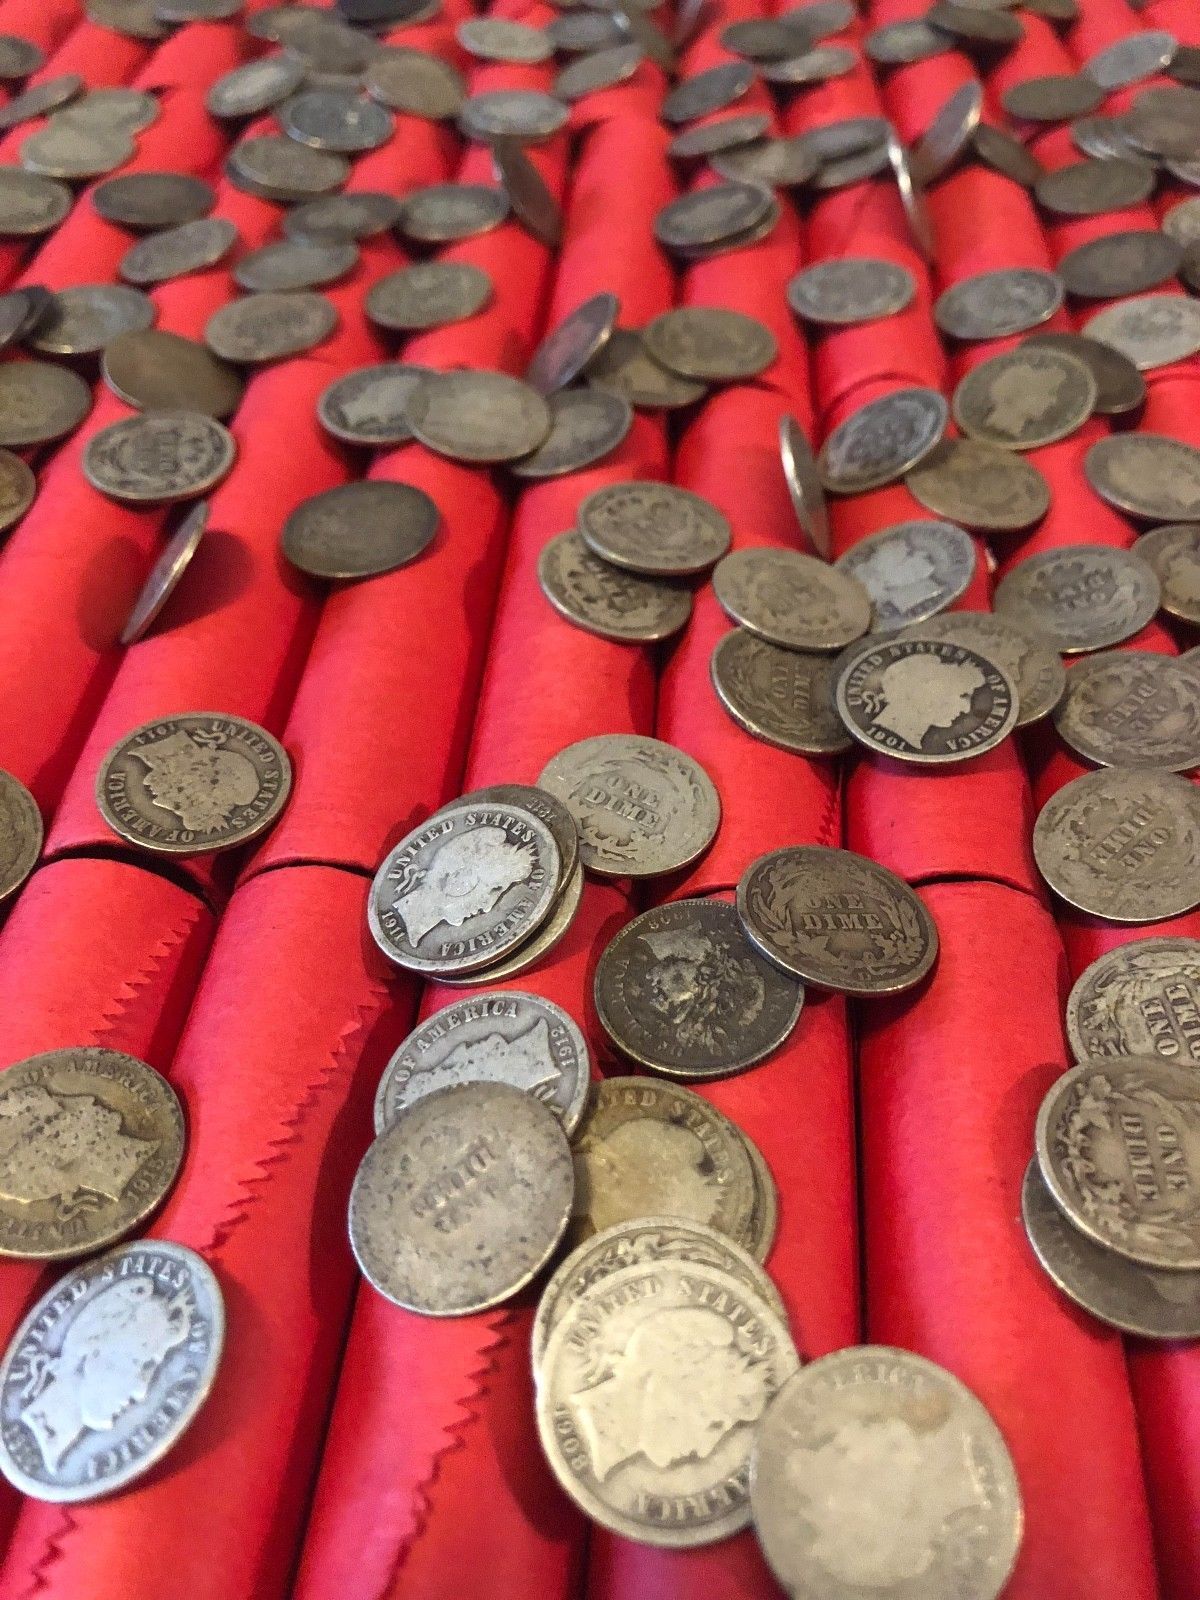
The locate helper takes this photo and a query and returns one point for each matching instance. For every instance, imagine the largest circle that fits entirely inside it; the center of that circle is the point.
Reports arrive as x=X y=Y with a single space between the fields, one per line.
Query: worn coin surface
x=81 y=320
x=980 y=485
x=804 y=486
x=91 y=1142
x=1080 y=597
x=792 y=599
x=249 y=90
x=427 y=294
x=710 y=343
x=882 y=440
x=496 y=39
x=336 y=119
x=548 y=810
x=415 y=82
x=1036 y=670
x=1120 y=387
x=166 y=573
x=926 y=700
x=1052 y=97
x=526 y=114
x=706 y=92
x=911 y=570
x=1122 y=844
x=40 y=98
x=776 y=163
x=465 y=889
x=290 y=264
x=108 y=1370
x=1006 y=155
x=281 y=169
x=784 y=697
x=837 y=920
x=19 y=57
x=639 y=1456
x=1140 y=999
x=497 y=1037
x=681 y=990
x=602 y=598
x=593 y=70
x=1150 y=330
x=1118 y=1146
x=60 y=150
x=40 y=402
x=145 y=200
x=445 y=212
x=270 y=327
x=30 y=204
x=1024 y=398
x=130 y=109
x=358 y=530
x=1148 y=475
x=708 y=222
x=478 y=416
x=1174 y=553
x=1137 y=55
x=1122 y=1293
x=173 y=252
x=158 y=371
x=585 y=426
x=18 y=487
x=1182 y=221
x=625 y=366
x=982 y=31
x=571 y=344
x=1092 y=187
x=159 y=456
x=368 y=406
x=876 y=1472
x=898 y=44
x=642 y=807
x=712 y=138
x=1132 y=708
x=992 y=305
x=529 y=954
x=461 y=1201
x=653 y=528
x=355 y=216
x=21 y=834
x=850 y=289
x=1127 y=262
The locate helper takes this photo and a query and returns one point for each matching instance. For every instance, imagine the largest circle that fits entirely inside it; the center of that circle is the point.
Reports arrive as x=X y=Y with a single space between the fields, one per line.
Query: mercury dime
x=1054 y=97
x=625 y=366
x=643 y=1459
x=1079 y=597
x=572 y=343
x=601 y=598
x=1150 y=330
x=882 y=440
x=249 y=90
x=647 y=1148
x=83 y=319
x=1140 y=999
x=876 y=1472
x=1036 y=670
x=30 y=204
x=277 y=168
x=18 y=486
x=1024 y=398
x=478 y=416
x=344 y=217
x=443 y=212
x=428 y=294
x=1148 y=475
x=992 y=305
x=926 y=700
x=804 y=484
x=93 y=1140
x=367 y=406
x=1120 y=1292
x=1139 y=54
x=653 y=528
x=40 y=402
x=711 y=216
x=1118 y=1146
x=157 y=371
x=108 y=1370
x=336 y=119
x=419 y=84
x=1091 y=188
x=792 y=599
x=981 y=486
x=1120 y=387
x=1006 y=155
x=850 y=289
x=192 y=247
x=462 y=1200
x=1132 y=708
x=681 y=990
x=270 y=327
x=165 y=574
x=159 y=456
x=1128 y=262
x=837 y=920
x=706 y=92
x=499 y=1037
x=526 y=114
x=295 y=264
x=1174 y=553
x=949 y=133
x=911 y=570
x=358 y=530
x=585 y=426
x=784 y=697
x=21 y=834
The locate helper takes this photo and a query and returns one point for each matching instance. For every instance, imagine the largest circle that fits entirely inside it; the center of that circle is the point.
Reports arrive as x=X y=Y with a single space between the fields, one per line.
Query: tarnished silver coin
x=876 y=1472
x=1092 y=187
x=713 y=216
x=30 y=204
x=974 y=30
x=1140 y=999
x=850 y=289
x=640 y=1456
x=775 y=163
x=571 y=344
x=533 y=204
x=550 y=811
x=61 y=150
x=134 y=19
x=21 y=834
x=579 y=32
x=992 y=305
x=912 y=198
x=1127 y=262
x=251 y=89
x=195 y=783
x=336 y=119
x=525 y=114
x=813 y=66
x=643 y=808
x=594 y=70
x=158 y=371
x=585 y=426
x=1148 y=475
x=649 y=1148
x=127 y=109
x=427 y=294
x=498 y=1037
x=713 y=138
x=653 y=528
x=1131 y=708
x=289 y=264
x=367 y=406
x=803 y=482
x=784 y=697
x=792 y=599
x=478 y=416
x=929 y=701
x=604 y=600
x=1123 y=845
x=681 y=990
x=764 y=1219
x=1006 y=155
x=1122 y=1293
x=191 y=247
x=1036 y=669
x=146 y=200
x=1139 y=54
x=358 y=530
x=1150 y=330
x=40 y=402
x=81 y=320
x=18 y=488
x=1120 y=387
x=710 y=343
x=899 y=44
x=166 y=573
x=626 y=367
x=949 y=134
x=1174 y=553
x=1182 y=221
x=911 y=570
x=526 y=956
x=92 y=1141
x=108 y=1370
x=1052 y=97
x=497 y=39
x=270 y=327
x=982 y=486
x=19 y=57
x=882 y=440
x=1080 y=597
x=416 y=82
x=837 y=920
x=343 y=217
x=706 y=92
x=39 y=99
x=850 y=151
x=465 y=889
x=159 y=456
x=462 y=1200
x=1024 y=398
x=280 y=169
x=1118 y=1147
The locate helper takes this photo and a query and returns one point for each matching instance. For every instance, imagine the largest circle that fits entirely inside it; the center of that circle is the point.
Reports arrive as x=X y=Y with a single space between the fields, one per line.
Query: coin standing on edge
x=173 y=561
x=882 y=440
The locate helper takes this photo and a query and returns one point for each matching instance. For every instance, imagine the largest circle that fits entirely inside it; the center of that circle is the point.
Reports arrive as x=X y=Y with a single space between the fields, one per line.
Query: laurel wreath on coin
x=901 y=950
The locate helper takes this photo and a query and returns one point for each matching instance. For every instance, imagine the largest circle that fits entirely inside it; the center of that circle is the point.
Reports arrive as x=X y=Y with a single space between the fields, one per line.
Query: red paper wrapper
x=43 y=22
x=951 y=1079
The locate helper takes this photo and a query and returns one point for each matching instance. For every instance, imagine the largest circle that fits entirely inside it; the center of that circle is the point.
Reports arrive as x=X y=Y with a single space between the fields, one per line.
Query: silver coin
x=270 y=327
x=598 y=69
x=912 y=198
x=81 y=320
x=713 y=216
x=462 y=1200
x=478 y=416
x=533 y=204
x=142 y=201
x=898 y=44
x=166 y=573
x=549 y=935
x=40 y=402
x=1091 y=188
x=1025 y=398
x=1148 y=475
x=1052 y=97
x=498 y=1037
x=626 y=367
x=982 y=486
x=1120 y=387
x=1006 y=155
x=417 y=83
x=1036 y=670
x=367 y=406
x=19 y=57
x=948 y=135
x=784 y=697
x=850 y=289
x=792 y=599
x=428 y=294
x=1131 y=708
x=295 y=264
x=464 y=890
x=812 y=67
x=601 y=598
x=1174 y=553
x=277 y=168
x=1140 y=54
x=643 y=808
x=336 y=119
x=548 y=809
x=496 y=39
x=249 y=90
x=524 y=114
x=983 y=31
x=653 y=528
x=1181 y=221
x=443 y=212
x=1118 y=1147
x=342 y=218
x=1140 y=999
x=710 y=343
x=159 y=456
x=61 y=150
x=876 y=1472
x=1102 y=137
x=21 y=834
x=144 y=1325
x=359 y=530
x=39 y=99
x=585 y=426
x=850 y=151
x=706 y=92
x=130 y=110
x=711 y=138
x=191 y=247
x=773 y=163
x=764 y=1220
x=580 y=32
x=1122 y=845
x=1122 y=1293
x=911 y=570
x=882 y=440
x=1081 y=597
x=29 y=204
x=572 y=343
x=992 y=305
x=1129 y=262
x=156 y=371
x=1152 y=330
x=804 y=484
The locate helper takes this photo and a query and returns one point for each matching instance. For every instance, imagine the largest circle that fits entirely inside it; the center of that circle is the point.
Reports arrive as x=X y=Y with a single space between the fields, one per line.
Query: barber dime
x=1140 y=999
x=653 y=528
x=191 y=784
x=572 y=343
x=710 y=343
x=792 y=599
x=1128 y=262
x=926 y=700
x=851 y=289
x=911 y=570
x=651 y=1385
x=1132 y=708
x=358 y=530
x=428 y=294
x=81 y=320
x=367 y=406
x=784 y=697
x=1174 y=553
x=982 y=486
x=1036 y=670
x=270 y=327
x=882 y=440
x=707 y=91
x=585 y=426
x=249 y=90
x=191 y=247
x=478 y=416
x=1149 y=330
x=681 y=990
x=601 y=598
x=1120 y=387
x=159 y=456
x=30 y=204
x=837 y=920
x=625 y=366
x=460 y=1202
x=464 y=890
x=1123 y=845
x=1148 y=475
x=21 y=834
x=512 y=1038
x=992 y=305
x=449 y=211
x=1024 y=398
x=876 y=1472
x=1079 y=597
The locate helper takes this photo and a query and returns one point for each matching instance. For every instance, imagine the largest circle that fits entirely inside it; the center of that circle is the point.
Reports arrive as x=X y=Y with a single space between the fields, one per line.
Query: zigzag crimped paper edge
x=131 y=989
